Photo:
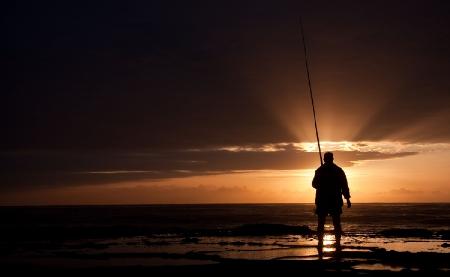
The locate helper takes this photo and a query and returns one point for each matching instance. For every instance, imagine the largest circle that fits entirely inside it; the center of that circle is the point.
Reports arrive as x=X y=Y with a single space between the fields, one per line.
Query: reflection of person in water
x=330 y=184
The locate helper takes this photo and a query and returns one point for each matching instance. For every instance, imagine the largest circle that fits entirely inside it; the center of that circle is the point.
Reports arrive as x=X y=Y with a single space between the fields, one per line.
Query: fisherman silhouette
x=330 y=184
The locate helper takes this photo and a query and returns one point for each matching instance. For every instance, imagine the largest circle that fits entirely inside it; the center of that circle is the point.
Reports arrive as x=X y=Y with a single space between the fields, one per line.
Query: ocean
x=360 y=218
x=154 y=235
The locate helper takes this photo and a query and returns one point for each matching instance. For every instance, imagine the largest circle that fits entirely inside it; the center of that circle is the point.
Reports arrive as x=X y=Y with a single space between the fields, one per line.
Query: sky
x=151 y=102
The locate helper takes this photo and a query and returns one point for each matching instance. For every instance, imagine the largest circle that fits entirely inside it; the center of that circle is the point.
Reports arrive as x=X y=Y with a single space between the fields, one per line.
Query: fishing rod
x=310 y=88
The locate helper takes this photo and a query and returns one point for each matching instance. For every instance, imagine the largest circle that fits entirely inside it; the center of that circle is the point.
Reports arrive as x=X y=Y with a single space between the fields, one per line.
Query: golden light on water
x=328 y=241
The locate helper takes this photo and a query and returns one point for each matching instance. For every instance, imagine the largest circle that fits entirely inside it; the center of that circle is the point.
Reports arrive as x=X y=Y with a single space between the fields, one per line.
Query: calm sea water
x=361 y=218
x=155 y=235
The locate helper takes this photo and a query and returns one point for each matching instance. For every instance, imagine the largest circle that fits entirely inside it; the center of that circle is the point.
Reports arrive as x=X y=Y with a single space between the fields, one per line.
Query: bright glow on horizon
x=422 y=177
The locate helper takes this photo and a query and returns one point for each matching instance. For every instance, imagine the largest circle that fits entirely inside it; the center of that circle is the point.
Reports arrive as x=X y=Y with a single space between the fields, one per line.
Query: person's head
x=328 y=157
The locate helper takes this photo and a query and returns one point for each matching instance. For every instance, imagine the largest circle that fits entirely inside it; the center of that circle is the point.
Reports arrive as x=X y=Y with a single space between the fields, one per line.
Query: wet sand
x=155 y=241
x=252 y=254
x=423 y=265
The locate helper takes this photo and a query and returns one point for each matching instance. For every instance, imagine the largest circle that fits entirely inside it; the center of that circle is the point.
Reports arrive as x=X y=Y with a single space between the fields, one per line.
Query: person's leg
x=337 y=228
x=320 y=228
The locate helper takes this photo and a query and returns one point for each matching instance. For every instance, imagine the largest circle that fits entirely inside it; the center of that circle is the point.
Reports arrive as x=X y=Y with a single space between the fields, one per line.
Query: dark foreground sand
x=248 y=250
x=350 y=261
x=238 y=268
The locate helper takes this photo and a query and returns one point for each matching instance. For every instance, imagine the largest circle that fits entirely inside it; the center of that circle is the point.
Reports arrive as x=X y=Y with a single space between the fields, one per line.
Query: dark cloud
x=155 y=74
x=94 y=83
x=56 y=168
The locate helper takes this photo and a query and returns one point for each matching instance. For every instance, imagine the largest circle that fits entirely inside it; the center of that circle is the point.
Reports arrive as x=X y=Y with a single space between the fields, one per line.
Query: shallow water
x=204 y=234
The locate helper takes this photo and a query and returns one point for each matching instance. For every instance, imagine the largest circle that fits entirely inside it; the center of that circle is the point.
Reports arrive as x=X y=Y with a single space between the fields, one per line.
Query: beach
x=222 y=239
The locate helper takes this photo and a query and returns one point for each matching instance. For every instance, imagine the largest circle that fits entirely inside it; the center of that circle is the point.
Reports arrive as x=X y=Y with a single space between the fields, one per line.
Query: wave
x=399 y=232
x=272 y=229
x=20 y=233
x=444 y=234
x=261 y=229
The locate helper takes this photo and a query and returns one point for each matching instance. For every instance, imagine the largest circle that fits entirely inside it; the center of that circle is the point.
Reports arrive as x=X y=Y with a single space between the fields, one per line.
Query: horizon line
x=205 y=204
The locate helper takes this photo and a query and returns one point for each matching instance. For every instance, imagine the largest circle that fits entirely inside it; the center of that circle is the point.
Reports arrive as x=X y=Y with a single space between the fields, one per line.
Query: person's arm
x=345 y=189
x=315 y=181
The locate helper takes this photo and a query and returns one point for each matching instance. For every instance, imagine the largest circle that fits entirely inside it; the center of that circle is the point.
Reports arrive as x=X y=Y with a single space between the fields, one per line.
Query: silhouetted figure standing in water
x=330 y=184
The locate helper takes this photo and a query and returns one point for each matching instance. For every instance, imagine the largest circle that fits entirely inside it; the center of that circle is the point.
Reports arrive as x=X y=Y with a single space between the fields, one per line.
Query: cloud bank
x=63 y=168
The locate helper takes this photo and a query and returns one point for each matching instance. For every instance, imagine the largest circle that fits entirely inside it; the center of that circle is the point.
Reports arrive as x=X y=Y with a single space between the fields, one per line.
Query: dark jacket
x=330 y=184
